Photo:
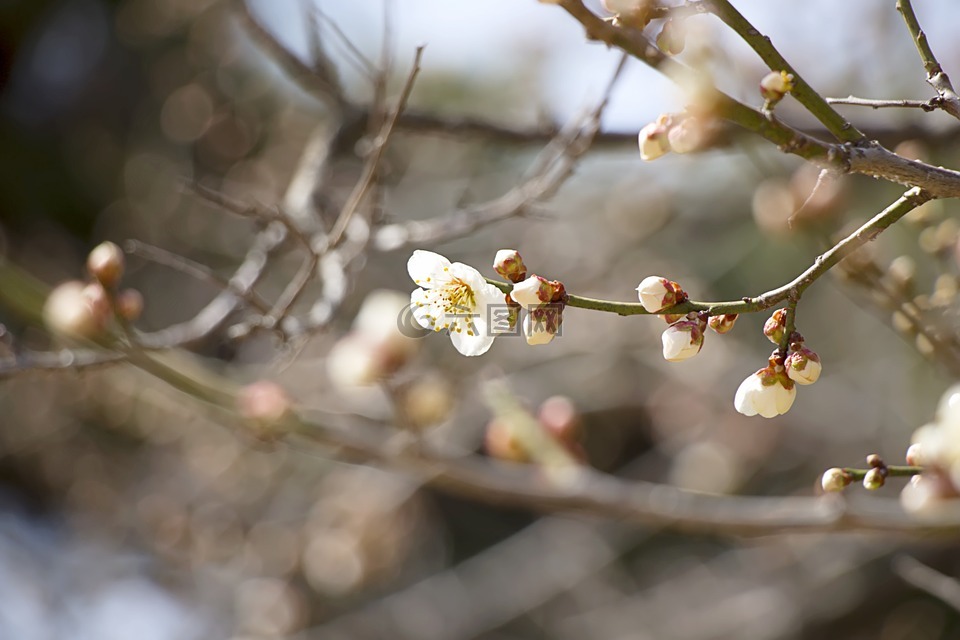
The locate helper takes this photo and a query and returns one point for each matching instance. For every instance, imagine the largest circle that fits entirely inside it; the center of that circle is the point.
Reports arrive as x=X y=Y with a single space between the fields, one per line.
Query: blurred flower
x=455 y=298
x=427 y=401
x=687 y=136
x=682 y=340
x=670 y=40
x=653 y=139
x=657 y=293
x=767 y=392
x=939 y=442
x=914 y=456
x=509 y=264
x=106 y=263
x=264 y=403
x=76 y=310
x=803 y=366
x=129 y=304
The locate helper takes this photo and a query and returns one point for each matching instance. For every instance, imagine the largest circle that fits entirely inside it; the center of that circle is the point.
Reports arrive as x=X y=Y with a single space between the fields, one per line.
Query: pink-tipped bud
x=129 y=304
x=914 y=455
x=834 y=480
x=509 y=264
x=671 y=38
x=775 y=325
x=106 y=263
x=73 y=311
x=803 y=366
x=723 y=323
x=500 y=441
x=874 y=479
x=536 y=291
x=653 y=139
x=542 y=323
x=657 y=293
x=682 y=340
x=266 y=405
x=775 y=85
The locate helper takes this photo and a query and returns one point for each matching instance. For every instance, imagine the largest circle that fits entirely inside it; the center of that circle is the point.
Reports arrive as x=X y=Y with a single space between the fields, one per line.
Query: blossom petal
x=425 y=310
x=472 y=345
x=427 y=268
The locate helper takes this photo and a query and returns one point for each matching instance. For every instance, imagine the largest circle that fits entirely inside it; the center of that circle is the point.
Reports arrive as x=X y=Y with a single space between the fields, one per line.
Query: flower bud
x=670 y=318
x=722 y=323
x=266 y=405
x=874 y=460
x=384 y=319
x=775 y=85
x=775 y=325
x=509 y=264
x=834 y=480
x=501 y=442
x=670 y=40
x=657 y=293
x=874 y=479
x=803 y=366
x=356 y=361
x=653 y=139
x=129 y=304
x=768 y=392
x=536 y=291
x=71 y=310
x=914 y=455
x=542 y=323
x=105 y=263
x=427 y=401
x=559 y=417
x=682 y=340
x=689 y=135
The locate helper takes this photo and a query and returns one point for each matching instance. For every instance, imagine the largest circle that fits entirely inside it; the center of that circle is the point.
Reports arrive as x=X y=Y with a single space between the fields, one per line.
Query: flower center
x=458 y=297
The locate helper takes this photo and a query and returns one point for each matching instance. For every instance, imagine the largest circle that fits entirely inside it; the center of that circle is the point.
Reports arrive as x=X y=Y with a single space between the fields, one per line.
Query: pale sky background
x=838 y=46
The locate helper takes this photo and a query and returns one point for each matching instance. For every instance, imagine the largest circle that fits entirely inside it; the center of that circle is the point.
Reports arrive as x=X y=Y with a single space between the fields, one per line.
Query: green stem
x=893 y=471
x=790 y=291
x=803 y=92
x=930 y=63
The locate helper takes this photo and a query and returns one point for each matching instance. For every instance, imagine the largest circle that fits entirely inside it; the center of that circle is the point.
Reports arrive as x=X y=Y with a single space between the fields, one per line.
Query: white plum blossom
x=453 y=297
x=767 y=392
x=682 y=340
x=657 y=293
x=803 y=366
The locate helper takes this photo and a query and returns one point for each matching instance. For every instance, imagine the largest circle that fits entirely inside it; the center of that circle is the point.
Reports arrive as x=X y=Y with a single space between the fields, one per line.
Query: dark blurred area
x=128 y=512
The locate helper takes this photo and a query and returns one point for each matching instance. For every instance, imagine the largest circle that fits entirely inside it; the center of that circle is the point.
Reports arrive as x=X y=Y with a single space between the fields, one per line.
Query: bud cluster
x=82 y=310
x=679 y=133
x=542 y=299
x=936 y=447
x=557 y=418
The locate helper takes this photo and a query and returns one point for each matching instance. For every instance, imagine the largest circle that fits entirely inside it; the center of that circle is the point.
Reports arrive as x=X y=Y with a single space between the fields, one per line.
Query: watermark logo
x=502 y=320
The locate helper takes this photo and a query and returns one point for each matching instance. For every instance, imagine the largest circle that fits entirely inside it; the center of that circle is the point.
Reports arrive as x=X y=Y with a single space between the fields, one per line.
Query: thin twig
x=926 y=105
x=928 y=579
x=936 y=76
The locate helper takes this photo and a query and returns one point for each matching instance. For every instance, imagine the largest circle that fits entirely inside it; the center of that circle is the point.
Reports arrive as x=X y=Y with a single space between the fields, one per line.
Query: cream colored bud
x=73 y=311
x=682 y=341
x=775 y=85
x=653 y=142
x=106 y=263
x=834 y=480
x=129 y=304
x=509 y=264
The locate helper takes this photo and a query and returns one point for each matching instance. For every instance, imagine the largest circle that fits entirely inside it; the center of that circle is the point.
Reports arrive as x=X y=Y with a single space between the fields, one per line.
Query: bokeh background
x=126 y=512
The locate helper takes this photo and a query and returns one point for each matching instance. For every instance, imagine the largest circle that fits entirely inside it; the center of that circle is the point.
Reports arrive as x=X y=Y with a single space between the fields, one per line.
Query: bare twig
x=925 y=105
x=928 y=579
x=936 y=76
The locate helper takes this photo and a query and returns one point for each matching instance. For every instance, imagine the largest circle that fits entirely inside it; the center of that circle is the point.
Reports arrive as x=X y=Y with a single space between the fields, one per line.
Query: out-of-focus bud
x=834 y=480
x=106 y=263
x=948 y=409
x=914 y=455
x=874 y=460
x=722 y=323
x=654 y=138
x=682 y=340
x=542 y=323
x=925 y=494
x=559 y=416
x=689 y=135
x=775 y=325
x=775 y=85
x=385 y=322
x=631 y=13
x=427 y=402
x=803 y=366
x=356 y=361
x=768 y=392
x=266 y=405
x=874 y=478
x=902 y=273
x=657 y=293
x=129 y=304
x=501 y=442
x=509 y=264
x=70 y=310
x=671 y=38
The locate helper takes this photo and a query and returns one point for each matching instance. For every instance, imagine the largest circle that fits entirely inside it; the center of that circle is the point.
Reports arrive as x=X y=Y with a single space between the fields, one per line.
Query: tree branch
x=936 y=77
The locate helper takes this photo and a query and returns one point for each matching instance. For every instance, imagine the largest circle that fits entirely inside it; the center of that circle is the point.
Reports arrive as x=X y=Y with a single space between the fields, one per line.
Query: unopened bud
x=559 y=416
x=874 y=460
x=914 y=455
x=670 y=40
x=106 y=263
x=722 y=323
x=682 y=340
x=653 y=139
x=536 y=291
x=775 y=85
x=834 y=480
x=657 y=293
x=501 y=442
x=775 y=325
x=509 y=264
x=129 y=304
x=71 y=310
x=266 y=405
x=803 y=366
x=542 y=323
x=874 y=479
x=690 y=135
x=427 y=402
